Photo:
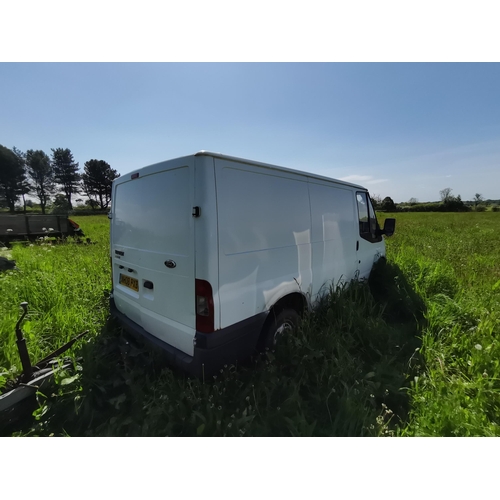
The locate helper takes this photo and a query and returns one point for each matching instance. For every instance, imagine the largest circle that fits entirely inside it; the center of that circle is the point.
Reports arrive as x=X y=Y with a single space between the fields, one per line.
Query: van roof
x=151 y=168
x=268 y=165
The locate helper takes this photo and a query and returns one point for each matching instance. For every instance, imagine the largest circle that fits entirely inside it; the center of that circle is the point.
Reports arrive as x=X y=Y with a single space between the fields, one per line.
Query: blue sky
x=401 y=129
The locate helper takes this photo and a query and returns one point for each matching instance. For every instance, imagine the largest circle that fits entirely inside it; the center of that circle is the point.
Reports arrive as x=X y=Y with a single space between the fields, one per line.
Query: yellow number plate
x=129 y=282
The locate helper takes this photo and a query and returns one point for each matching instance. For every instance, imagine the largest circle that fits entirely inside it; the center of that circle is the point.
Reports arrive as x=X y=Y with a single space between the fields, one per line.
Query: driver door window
x=368 y=227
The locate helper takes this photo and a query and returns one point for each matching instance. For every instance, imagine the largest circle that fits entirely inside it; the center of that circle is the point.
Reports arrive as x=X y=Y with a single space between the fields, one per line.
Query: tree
x=24 y=185
x=12 y=177
x=41 y=173
x=413 y=201
x=93 y=204
x=478 y=198
x=66 y=172
x=388 y=204
x=60 y=204
x=445 y=194
x=376 y=201
x=454 y=204
x=97 y=180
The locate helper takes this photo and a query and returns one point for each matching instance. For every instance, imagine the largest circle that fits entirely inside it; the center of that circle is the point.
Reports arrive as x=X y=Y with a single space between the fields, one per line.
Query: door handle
x=357 y=245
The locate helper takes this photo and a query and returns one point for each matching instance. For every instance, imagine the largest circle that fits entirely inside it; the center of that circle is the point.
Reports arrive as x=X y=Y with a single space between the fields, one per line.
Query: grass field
x=414 y=352
x=453 y=262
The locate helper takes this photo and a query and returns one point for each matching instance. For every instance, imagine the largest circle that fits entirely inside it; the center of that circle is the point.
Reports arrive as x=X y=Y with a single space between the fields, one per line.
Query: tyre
x=285 y=322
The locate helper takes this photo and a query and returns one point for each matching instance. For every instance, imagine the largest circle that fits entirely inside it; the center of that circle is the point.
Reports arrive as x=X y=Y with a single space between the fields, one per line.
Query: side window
x=364 y=226
x=373 y=217
x=368 y=227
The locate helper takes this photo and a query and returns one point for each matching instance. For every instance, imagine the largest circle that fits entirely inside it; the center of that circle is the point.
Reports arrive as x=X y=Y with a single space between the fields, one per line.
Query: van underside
x=211 y=351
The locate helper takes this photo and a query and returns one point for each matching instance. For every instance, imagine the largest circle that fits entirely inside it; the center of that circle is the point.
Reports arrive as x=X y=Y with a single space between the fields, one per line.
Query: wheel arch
x=295 y=300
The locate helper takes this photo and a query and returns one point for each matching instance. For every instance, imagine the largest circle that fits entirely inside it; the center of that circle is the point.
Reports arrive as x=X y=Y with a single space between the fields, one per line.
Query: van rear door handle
x=357 y=245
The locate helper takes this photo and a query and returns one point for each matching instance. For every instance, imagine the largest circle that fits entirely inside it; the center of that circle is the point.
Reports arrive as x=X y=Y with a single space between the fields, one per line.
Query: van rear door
x=152 y=250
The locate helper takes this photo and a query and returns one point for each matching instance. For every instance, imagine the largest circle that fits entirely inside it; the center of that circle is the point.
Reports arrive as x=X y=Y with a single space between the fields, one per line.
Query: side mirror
x=389 y=227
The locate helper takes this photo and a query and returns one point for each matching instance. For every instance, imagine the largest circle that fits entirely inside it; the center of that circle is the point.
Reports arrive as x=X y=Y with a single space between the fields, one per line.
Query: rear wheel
x=284 y=323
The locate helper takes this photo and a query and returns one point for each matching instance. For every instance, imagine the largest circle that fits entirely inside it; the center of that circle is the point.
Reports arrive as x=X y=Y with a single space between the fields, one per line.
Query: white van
x=212 y=255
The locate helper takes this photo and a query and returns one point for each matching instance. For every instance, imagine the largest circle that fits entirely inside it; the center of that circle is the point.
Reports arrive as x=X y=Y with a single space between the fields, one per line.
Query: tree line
x=448 y=203
x=36 y=174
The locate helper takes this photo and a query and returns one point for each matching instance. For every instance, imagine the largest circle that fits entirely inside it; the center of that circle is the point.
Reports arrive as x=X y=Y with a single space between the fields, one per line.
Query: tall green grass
x=413 y=352
x=342 y=373
x=453 y=262
x=64 y=285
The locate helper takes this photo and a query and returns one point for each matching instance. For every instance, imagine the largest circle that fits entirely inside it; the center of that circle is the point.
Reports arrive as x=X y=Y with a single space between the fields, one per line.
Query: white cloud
x=363 y=179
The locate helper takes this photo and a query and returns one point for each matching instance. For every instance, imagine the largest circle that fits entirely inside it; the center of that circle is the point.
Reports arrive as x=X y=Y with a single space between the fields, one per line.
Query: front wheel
x=285 y=322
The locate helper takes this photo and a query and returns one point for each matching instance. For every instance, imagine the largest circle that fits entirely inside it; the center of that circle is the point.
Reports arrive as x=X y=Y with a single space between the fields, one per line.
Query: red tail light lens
x=74 y=224
x=204 y=306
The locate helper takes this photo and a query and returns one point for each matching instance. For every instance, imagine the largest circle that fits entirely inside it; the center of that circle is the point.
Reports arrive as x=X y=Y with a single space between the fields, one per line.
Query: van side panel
x=333 y=235
x=264 y=238
x=152 y=224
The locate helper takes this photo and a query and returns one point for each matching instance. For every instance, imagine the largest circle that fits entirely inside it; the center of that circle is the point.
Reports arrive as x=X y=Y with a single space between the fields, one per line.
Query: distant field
x=414 y=353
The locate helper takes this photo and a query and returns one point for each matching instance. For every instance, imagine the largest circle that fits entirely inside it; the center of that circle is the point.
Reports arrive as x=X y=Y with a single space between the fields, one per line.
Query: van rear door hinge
x=196 y=211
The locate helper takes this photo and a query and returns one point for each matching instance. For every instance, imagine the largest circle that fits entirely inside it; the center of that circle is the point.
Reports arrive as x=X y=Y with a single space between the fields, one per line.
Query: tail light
x=74 y=224
x=204 y=306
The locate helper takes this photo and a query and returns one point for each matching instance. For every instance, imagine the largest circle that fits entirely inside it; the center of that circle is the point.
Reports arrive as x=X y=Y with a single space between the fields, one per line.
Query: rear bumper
x=211 y=350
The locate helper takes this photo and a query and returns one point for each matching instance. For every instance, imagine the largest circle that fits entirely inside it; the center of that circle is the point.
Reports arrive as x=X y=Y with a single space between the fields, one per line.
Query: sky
x=404 y=130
